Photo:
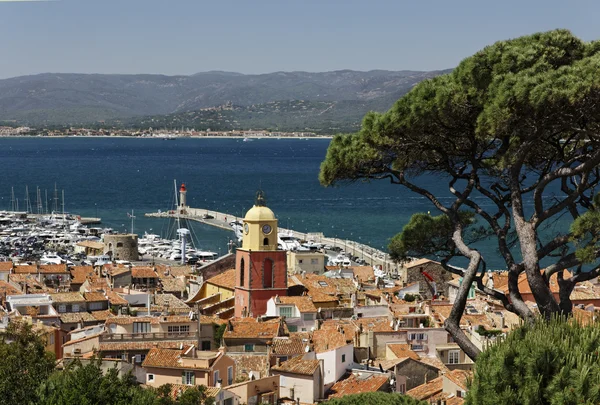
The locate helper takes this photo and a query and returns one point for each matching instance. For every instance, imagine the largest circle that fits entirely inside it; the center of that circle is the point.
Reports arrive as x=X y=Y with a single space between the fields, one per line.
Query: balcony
x=139 y=337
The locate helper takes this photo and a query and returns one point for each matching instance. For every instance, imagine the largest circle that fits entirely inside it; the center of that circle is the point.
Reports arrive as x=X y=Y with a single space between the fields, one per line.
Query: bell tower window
x=266 y=242
x=268 y=273
x=242 y=270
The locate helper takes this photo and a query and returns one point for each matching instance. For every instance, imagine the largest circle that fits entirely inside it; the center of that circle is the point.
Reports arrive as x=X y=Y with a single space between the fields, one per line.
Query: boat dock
x=82 y=220
x=221 y=220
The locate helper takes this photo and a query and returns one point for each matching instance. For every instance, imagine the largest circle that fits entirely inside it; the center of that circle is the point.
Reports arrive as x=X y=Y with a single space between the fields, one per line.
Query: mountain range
x=53 y=99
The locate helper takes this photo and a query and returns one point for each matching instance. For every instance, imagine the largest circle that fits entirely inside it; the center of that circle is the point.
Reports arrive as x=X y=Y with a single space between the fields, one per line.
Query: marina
x=360 y=253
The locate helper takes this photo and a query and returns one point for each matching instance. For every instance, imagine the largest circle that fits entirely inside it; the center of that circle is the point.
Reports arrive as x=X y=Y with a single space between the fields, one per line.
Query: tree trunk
x=452 y=323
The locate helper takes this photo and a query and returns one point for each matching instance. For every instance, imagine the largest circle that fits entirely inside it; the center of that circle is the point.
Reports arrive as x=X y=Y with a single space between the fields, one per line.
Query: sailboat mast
x=46 y=201
x=55 y=207
x=40 y=206
x=132 y=219
x=12 y=199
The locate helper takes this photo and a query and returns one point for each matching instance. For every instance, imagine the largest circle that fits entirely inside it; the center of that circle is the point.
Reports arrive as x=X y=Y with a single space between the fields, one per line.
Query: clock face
x=266 y=229
x=246 y=228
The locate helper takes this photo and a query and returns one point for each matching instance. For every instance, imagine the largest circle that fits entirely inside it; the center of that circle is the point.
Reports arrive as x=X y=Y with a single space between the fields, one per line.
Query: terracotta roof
x=178 y=389
x=287 y=346
x=67 y=297
x=178 y=271
x=331 y=286
x=171 y=301
x=167 y=358
x=8 y=289
x=6 y=266
x=225 y=279
x=94 y=297
x=297 y=365
x=251 y=328
x=402 y=350
x=363 y=273
x=381 y=324
x=434 y=362
x=155 y=320
x=117 y=271
x=145 y=345
x=116 y=299
x=328 y=339
x=74 y=317
x=143 y=272
x=80 y=273
x=102 y=315
x=419 y=262
x=427 y=390
x=25 y=269
x=172 y=284
x=304 y=304
x=459 y=377
x=246 y=363
x=356 y=385
x=53 y=268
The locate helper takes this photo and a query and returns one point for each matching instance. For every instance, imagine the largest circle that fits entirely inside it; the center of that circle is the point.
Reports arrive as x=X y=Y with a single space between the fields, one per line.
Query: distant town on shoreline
x=7 y=131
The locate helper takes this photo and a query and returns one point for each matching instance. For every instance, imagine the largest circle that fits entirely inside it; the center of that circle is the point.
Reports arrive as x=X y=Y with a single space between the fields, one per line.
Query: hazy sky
x=256 y=36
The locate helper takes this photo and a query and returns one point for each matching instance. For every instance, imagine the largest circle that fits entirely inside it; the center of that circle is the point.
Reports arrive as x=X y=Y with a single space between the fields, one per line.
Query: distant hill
x=69 y=99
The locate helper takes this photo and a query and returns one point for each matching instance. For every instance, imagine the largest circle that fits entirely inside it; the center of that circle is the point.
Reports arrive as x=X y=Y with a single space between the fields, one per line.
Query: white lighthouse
x=182 y=198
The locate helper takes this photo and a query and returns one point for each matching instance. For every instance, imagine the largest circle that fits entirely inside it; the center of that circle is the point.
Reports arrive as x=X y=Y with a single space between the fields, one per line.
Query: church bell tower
x=261 y=269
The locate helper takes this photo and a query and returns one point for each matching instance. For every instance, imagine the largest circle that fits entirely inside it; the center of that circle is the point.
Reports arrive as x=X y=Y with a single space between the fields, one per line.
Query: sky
x=260 y=36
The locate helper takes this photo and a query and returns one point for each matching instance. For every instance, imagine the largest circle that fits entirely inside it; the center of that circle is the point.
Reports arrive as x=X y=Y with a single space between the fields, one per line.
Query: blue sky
x=260 y=36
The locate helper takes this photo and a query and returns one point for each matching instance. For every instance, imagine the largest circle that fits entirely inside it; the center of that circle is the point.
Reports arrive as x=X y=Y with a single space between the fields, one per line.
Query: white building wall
x=333 y=366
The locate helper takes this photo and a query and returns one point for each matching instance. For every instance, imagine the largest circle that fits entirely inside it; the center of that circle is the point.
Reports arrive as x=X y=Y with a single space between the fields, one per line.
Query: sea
x=113 y=177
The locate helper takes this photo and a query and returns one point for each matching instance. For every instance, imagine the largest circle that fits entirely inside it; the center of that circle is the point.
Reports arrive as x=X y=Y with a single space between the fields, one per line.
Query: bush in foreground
x=554 y=362
x=375 y=398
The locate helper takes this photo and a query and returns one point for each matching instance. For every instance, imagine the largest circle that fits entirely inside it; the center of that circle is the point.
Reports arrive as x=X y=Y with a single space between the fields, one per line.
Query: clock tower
x=261 y=269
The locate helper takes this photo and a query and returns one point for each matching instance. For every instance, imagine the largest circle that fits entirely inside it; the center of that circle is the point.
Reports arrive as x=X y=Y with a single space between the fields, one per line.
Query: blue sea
x=109 y=177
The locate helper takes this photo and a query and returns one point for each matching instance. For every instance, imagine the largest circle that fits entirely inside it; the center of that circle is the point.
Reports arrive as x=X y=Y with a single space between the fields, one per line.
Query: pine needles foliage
x=550 y=362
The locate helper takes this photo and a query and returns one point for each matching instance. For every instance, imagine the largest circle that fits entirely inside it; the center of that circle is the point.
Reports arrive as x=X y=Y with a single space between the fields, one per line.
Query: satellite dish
x=306 y=349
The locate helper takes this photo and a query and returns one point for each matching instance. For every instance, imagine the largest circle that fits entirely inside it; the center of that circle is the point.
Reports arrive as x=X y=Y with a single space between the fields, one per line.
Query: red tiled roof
x=427 y=390
x=116 y=299
x=304 y=303
x=67 y=297
x=356 y=385
x=167 y=358
x=251 y=328
x=225 y=279
x=80 y=273
x=328 y=339
x=143 y=272
x=53 y=268
x=403 y=350
x=6 y=266
x=288 y=346
x=297 y=365
x=94 y=297
x=25 y=269
x=145 y=345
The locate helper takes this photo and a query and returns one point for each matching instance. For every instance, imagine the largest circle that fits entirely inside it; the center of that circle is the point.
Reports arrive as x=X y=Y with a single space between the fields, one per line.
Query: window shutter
x=183 y=377
x=193 y=378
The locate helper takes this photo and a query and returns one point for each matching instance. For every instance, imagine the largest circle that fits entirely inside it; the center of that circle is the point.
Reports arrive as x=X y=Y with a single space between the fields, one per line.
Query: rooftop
x=297 y=365
x=354 y=384
x=225 y=279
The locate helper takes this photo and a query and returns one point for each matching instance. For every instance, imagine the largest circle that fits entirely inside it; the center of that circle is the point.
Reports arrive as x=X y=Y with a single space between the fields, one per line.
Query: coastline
x=170 y=137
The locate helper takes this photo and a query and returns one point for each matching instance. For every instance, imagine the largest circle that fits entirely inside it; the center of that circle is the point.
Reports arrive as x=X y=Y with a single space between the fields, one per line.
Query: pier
x=82 y=220
x=221 y=220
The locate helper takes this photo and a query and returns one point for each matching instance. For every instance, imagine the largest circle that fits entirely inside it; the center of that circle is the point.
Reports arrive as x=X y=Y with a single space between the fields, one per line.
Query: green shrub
x=375 y=398
x=554 y=362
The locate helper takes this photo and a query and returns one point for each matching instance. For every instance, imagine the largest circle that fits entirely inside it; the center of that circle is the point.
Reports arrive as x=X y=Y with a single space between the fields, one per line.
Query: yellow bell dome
x=259 y=213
